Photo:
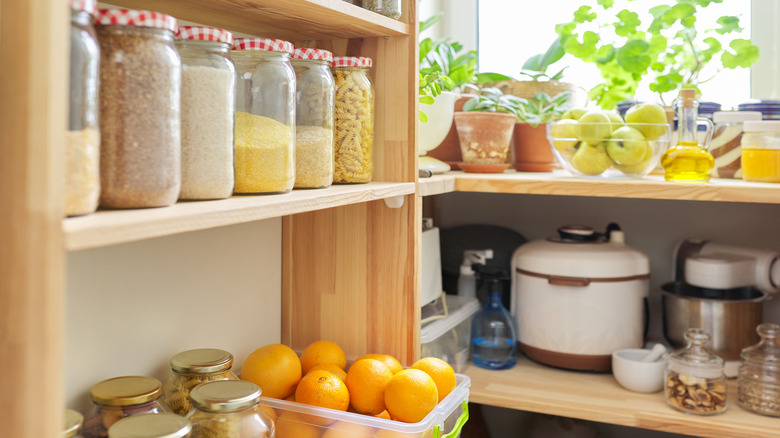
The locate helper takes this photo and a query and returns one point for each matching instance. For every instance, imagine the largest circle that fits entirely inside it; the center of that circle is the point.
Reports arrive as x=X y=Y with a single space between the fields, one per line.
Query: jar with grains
x=695 y=381
x=758 y=381
x=208 y=94
x=190 y=369
x=353 y=120
x=140 y=85
x=725 y=143
x=120 y=397
x=388 y=8
x=314 y=96
x=82 y=142
x=265 y=116
x=151 y=426
x=229 y=409
x=761 y=151
x=72 y=423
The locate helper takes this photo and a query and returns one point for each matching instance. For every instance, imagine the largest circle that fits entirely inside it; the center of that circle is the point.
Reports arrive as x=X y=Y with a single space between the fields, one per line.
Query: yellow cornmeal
x=264 y=155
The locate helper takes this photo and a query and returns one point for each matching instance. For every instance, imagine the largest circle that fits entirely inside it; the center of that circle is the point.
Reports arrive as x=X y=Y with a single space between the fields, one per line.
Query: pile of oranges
x=374 y=384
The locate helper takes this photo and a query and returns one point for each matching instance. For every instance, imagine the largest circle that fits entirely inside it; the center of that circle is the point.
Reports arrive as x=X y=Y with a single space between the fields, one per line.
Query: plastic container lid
x=269 y=44
x=314 y=54
x=735 y=116
x=459 y=310
x=203 y=33
x=762 y=126
x=150 y=426
x=132 y=17
x=84 y=5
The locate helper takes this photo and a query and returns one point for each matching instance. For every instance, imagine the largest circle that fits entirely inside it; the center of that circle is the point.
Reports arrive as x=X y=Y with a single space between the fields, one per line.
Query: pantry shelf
x=598 y=397
x=109 y=227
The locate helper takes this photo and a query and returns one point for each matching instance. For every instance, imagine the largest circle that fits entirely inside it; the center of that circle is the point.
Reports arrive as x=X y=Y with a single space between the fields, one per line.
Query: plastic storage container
x=229 y=409
x=354 y=120
x=758 y=382
x=725 y=144
x=72 y=424
x=388 y=8
x=265 y=116
x=761 y=151
x=208 y=95
x=140 y=86
x=120 y=397
x=695 y=382
x=151 y=426
x=190 y=369
x=446 y=329
x=314 y=94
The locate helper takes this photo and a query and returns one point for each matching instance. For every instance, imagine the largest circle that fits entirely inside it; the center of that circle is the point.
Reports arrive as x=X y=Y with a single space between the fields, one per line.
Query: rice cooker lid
x=580 y=252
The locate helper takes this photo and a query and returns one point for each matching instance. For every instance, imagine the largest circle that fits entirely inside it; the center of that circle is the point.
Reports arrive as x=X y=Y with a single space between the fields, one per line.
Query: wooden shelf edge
x=436 y=185
x=111 y=227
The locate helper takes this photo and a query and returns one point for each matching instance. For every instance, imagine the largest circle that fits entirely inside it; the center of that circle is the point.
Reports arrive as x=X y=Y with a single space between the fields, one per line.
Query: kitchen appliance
x=579 y=297
x=430 y=269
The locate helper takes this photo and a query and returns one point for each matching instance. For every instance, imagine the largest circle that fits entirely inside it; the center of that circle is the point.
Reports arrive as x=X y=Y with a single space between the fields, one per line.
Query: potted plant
x=530 y=149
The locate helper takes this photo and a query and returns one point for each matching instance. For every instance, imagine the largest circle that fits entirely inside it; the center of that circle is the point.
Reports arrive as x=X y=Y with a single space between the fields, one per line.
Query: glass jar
x=761 y=151
x=725 y=143
x=695 y=381
x=770 y=109
x=208 y=95
x=140 y=85
x=72 y=424
x=314 y=96
x=82 y=142
x=353 y=120
x=265 y=116
x=758 y=382
x=190 y=369
x=388 y=8
x=120 y=397
x=229 y=409
x=151 y=426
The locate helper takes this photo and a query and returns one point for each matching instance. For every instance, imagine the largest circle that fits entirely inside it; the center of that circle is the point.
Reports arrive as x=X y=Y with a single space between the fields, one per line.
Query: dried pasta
x=354 y=126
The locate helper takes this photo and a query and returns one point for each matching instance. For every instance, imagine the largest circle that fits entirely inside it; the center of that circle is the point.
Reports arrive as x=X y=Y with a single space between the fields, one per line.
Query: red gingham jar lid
x=366 y=61
x=269 y=44
x=132 y=17
x=203 y=33
x=352 y=61
x=84 y=5
x=315 y=54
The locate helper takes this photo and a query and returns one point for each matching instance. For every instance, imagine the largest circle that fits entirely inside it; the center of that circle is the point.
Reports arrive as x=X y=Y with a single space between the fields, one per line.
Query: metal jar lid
x=72 y=423
x=150 y=426
x=225 y=396
x=126 y=390
x=202 y=361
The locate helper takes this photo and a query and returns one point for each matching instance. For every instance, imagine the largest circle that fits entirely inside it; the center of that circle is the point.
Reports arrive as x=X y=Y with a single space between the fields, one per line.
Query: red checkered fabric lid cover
x=263 y=44
x=140 y=18
x=352 y=61
x=366 y=61
x=84 y=5
x=203 y=33
x=317 y=54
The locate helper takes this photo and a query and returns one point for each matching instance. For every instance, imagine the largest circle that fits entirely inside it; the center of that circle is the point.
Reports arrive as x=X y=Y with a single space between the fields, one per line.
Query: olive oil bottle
x=687 y=161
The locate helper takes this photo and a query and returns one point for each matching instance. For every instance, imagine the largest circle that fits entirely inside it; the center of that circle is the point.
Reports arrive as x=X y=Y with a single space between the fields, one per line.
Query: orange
x=331 y=368
x=321 y=352
x=366 y=382
x=386 y=433
x=442 y=373
x=388 y=360
x=384 y=414
x=323 y=389
x=292 y=425
x=275 y=368
x=346 y=429
x=411 y=395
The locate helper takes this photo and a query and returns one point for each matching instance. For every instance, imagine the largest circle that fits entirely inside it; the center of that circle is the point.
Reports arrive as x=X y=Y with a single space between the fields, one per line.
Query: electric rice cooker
x=579 y=296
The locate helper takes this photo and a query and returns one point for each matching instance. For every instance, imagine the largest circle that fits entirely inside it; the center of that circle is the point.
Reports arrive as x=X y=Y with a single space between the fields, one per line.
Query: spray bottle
x=467 y=281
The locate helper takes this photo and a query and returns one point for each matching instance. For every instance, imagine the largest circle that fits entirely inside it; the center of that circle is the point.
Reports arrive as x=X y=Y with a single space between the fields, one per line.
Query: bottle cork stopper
x=687 y=96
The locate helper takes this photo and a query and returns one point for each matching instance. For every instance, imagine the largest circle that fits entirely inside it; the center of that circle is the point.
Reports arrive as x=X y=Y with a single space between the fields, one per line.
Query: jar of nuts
x=695 y=381
x=354 y=120
x=190 y=369
x=229 y=408
x=758 y=382
x=121 y=397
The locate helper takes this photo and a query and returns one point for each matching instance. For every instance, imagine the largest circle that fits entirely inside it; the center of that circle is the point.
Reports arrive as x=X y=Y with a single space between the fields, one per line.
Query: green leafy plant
x=535 y=67
x=671 y=49
x=493 y=100
x=541 y=109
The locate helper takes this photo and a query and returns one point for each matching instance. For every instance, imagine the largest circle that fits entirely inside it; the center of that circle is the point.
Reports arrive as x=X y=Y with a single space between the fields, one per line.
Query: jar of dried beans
x=140 y=83
x=190 y=369
x=695 y=381
x=82 y=142
x=208 y=84
x=229 y=408
x=151 y=426
x=313 y=118
x=353 y=120
x=265 y=116
x=758 y=382
x=120 y=397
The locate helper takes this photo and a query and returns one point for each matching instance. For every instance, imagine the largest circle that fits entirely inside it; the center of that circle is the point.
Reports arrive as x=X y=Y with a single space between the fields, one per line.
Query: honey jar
x=761 y=151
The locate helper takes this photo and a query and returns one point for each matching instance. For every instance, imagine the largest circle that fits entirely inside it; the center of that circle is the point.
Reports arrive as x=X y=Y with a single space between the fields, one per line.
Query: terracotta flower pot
x=449 y=149
x=531 y=150
x=484 y=137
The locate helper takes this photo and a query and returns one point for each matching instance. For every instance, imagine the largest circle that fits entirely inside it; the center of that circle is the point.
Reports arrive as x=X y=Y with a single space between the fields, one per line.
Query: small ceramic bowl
x=638 y=376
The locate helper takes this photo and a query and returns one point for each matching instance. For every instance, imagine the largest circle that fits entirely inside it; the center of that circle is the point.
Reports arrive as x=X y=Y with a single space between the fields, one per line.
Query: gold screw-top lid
x=150 y=426
x=202 y=360
x=72 y=424
x=225 y=395
x=126 y=390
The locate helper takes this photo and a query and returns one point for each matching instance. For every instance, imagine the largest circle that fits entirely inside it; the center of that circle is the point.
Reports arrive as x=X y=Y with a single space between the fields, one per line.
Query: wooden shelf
x=110 y=227
x=598 y=397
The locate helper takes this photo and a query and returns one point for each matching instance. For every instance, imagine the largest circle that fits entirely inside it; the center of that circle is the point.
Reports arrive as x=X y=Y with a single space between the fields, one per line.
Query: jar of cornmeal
x=354 y=120
x=761 y=151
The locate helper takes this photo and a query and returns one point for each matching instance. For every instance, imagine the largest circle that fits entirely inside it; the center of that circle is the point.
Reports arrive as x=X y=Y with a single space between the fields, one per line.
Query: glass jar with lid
x=314 y=96
x=140 y=86
x=761 y=151
x=695 y=380
x=725 y=143
x=229 y=409
x=758 y=382
x=151 y=426
x=265 y=116
x=191 y=368
x=208 y=84
x=72 y=424
x=120 y=397
x=353 y=120
x=388 y=8
x=82 y=142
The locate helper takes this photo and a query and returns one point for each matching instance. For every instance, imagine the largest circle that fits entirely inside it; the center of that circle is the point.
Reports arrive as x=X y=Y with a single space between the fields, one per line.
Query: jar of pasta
x=140 y=100
x=265 y=116
x=313 y=118
x=761 y=151
x=229 y=409
x=120 y=397
x=353 y=120
x=208 y=94
x=151 y=426
x=190 y=369
x=72 y=424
